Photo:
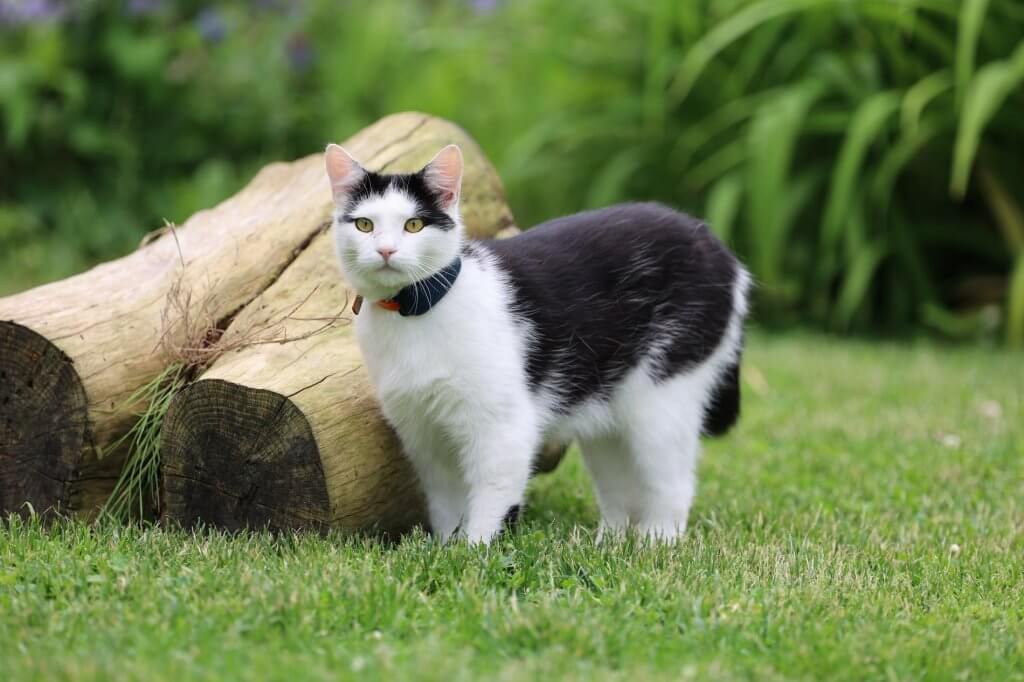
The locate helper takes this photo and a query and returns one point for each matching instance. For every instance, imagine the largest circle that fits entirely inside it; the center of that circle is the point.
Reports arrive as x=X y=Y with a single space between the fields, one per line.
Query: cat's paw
x=482 y=538
x=610 y=533
x=665 y=532
x=482 y=534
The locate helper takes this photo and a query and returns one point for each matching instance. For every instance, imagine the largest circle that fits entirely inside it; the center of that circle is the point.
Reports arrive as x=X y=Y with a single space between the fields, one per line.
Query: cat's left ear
x=444 y=175
x=343 y=170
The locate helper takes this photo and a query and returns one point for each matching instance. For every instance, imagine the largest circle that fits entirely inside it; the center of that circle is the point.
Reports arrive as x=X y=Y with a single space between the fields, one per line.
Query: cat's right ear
x=344 y=171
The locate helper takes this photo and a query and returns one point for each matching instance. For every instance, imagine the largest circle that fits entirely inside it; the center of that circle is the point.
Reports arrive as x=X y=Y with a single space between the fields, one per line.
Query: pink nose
x=386 y=253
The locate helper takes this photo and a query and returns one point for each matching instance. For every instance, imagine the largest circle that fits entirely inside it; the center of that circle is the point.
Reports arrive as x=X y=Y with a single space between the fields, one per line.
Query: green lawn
x=866 y=520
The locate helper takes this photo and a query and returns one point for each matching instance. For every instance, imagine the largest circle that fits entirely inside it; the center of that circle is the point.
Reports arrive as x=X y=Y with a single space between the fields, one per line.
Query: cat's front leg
x=437 y=469
x=496 y=470
x=446 y=495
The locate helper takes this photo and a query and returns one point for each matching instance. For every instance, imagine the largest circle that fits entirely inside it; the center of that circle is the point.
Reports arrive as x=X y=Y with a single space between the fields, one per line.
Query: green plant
x=819 y=137
x=841 y=146
x=137 y=491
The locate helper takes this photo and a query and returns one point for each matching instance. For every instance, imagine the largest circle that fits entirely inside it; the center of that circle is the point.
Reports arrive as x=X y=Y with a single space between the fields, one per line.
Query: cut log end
x=44 y=424
x=237 y=457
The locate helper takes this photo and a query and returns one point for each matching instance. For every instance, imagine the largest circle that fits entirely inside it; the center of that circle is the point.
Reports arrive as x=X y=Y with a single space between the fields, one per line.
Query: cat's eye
x=364 y=224
x=413 y=225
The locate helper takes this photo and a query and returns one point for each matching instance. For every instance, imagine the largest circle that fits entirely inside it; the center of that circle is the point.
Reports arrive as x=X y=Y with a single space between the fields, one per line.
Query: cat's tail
x=724 y=409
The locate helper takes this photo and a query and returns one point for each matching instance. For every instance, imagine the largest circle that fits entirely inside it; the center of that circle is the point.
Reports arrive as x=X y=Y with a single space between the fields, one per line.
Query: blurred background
x=865 y=157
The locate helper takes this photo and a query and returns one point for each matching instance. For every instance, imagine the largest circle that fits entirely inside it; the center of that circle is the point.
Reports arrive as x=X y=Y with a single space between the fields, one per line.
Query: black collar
x=422 y=295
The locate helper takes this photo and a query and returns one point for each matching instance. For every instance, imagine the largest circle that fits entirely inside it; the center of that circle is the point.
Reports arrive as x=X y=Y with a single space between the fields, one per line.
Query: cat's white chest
x=406 y=359
x=461 y=361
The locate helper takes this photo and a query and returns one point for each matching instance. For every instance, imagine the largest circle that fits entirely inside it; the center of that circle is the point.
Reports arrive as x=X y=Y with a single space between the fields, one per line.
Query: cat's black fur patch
x=602 y=288
x=511 y=519
x=413 y=184
x=724 y=410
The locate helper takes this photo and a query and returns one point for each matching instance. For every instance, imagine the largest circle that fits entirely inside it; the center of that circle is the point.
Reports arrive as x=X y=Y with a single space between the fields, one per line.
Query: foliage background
x=864 y=156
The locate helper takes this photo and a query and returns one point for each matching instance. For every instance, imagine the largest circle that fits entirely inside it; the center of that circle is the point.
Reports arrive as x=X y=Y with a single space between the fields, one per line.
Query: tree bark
x=289 y=435
x=73 y=352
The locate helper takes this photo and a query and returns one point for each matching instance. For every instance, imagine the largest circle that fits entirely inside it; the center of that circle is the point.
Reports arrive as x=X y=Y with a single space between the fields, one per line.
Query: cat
x=621 y=328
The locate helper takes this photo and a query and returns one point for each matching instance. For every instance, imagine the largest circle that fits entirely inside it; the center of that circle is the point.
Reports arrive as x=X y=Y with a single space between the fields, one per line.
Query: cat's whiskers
x=428 y=267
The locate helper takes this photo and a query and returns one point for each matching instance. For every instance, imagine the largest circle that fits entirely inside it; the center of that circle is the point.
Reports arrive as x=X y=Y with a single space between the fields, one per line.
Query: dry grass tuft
x=192 y=338
x=193 y=335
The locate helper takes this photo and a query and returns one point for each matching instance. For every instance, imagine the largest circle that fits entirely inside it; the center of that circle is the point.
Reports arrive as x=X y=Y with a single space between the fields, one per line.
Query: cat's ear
x=343 y=171
x=444 y=175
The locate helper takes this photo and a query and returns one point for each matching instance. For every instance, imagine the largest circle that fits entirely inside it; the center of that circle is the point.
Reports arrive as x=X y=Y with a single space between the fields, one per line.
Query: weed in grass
x=137 y=491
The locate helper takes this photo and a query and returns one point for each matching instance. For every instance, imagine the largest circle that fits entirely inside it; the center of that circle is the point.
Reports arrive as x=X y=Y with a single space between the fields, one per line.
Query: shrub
x=861 y=155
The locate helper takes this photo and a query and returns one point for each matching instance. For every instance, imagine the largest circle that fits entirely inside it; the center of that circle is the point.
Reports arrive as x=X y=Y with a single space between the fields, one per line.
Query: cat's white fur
x=453 y=384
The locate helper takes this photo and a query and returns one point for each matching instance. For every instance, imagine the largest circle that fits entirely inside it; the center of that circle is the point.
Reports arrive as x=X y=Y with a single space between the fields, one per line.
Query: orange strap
x=386 y=304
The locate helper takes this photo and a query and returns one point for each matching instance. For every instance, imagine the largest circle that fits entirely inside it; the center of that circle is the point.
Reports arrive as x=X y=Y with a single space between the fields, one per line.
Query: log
x=74 y=351
x=289 y=435
x=43 y=419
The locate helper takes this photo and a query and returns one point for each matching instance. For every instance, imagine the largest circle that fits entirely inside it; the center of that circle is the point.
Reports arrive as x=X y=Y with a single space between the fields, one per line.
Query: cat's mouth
x=382 y=274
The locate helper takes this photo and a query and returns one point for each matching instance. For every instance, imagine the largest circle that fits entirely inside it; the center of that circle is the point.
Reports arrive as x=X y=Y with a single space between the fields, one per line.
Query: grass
x=864 y=521
x=138 y=488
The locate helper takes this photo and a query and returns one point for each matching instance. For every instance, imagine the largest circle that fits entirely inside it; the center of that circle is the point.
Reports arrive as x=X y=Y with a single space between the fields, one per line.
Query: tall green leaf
x=919 y=96
x=1007 y=212
x=897 y=157
x=720 y=121
x=1015 y=305
x=972 y=16
x=724 y=34
x=987 y=91
x=927 y=34
x=723 y=205
x=772 y=137
x=718 y=163
x=609 y=184
x=867 y=124
x=857 y=283
x=658 y=63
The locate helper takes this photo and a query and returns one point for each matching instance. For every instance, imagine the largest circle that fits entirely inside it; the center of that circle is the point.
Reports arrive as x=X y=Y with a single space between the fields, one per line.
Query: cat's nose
x=385 y=253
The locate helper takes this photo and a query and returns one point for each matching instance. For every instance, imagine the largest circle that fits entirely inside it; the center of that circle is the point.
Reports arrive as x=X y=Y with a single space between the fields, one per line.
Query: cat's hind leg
x=610 y=465
x=663 y=422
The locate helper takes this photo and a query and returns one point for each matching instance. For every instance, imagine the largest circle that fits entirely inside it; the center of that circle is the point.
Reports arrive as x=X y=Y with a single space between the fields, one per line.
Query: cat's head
x=391 y=230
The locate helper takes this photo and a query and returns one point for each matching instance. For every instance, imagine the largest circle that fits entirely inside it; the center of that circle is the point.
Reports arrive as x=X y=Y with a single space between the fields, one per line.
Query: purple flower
x=484 y=6
x=211 y=25
x=18 y=12
x=141 y=8
x=300 y=52
x=288 y=7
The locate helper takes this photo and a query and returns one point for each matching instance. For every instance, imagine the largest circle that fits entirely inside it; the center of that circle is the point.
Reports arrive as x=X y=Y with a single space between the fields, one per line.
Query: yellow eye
x=413 y=225
x=364 y=225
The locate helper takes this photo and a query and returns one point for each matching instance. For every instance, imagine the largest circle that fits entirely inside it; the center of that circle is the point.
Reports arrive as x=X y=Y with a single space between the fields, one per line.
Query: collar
x=420 y=296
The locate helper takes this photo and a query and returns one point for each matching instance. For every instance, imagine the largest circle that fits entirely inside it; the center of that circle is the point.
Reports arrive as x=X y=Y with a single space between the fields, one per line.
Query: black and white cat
x=621 y=328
